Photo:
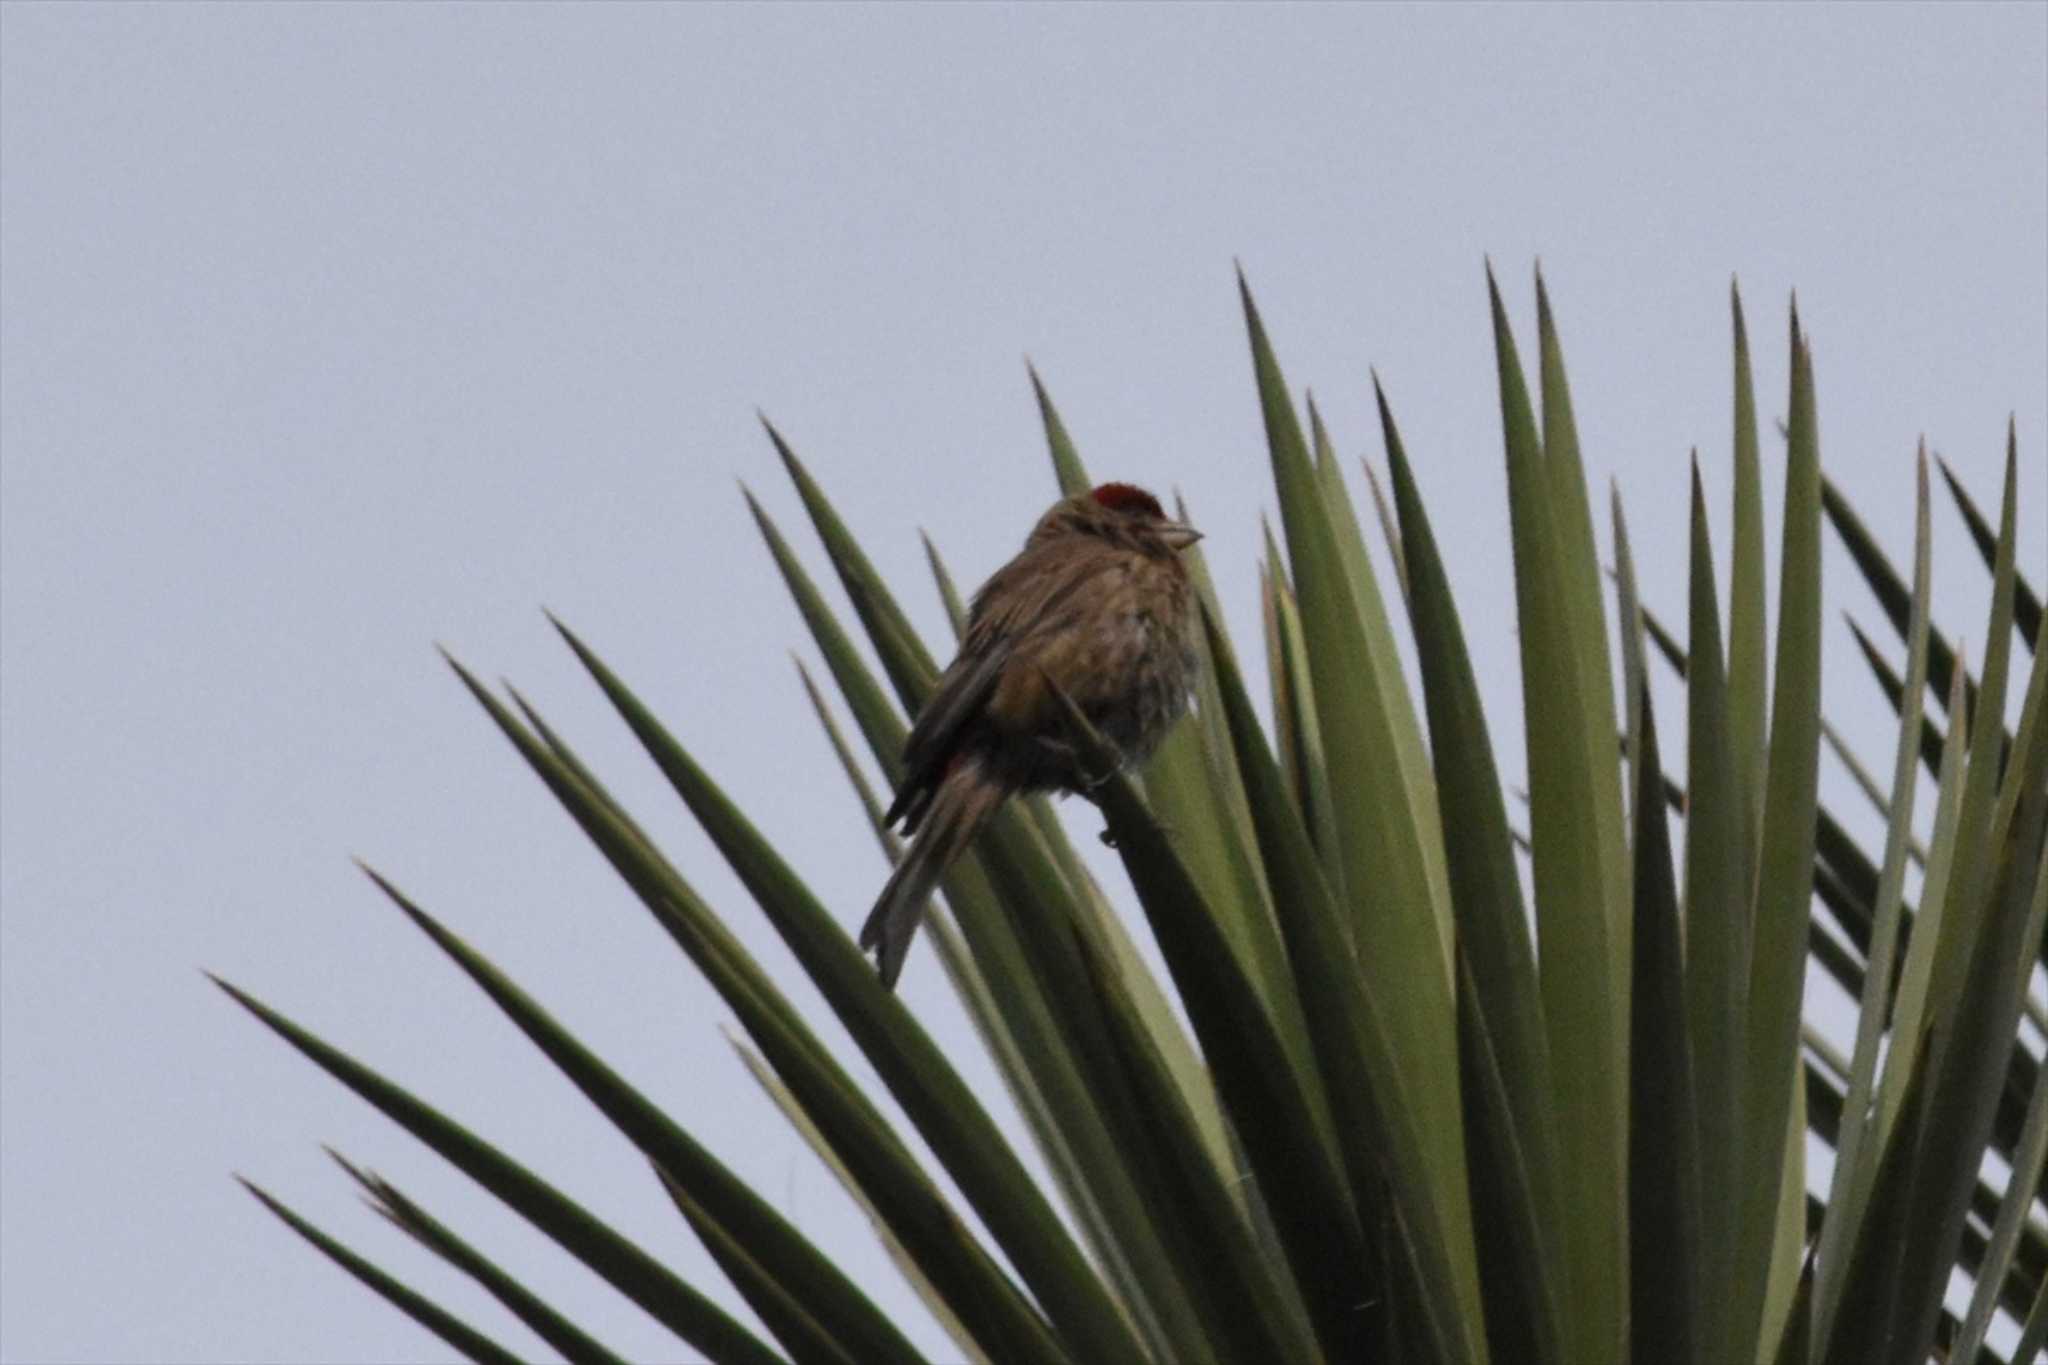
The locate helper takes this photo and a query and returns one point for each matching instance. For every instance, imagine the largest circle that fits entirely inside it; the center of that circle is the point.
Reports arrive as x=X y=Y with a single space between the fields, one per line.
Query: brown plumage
x=1098 y=602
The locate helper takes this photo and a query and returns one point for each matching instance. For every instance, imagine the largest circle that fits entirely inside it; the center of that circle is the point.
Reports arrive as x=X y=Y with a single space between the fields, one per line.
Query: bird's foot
x=1095 y=782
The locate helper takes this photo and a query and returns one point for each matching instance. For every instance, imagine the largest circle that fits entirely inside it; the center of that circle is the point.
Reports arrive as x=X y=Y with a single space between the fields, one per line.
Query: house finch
x=1096 y=604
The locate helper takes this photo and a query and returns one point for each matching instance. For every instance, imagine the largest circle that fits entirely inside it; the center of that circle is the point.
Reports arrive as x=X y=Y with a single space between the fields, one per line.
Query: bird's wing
x=1022 y=600
x=960 y=694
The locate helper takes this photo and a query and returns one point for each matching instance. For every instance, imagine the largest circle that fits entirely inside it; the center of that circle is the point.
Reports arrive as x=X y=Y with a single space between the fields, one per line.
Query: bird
x=1096 y=605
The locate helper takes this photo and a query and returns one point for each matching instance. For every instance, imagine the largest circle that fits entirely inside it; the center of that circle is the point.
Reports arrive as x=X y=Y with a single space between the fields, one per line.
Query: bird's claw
x=1100 y=780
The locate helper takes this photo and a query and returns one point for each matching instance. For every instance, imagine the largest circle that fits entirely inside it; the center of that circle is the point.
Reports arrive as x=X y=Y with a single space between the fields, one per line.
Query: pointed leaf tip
x=366 y=1178
x=382 y=882
x=776 y=438
x=401 y=900
x=469 y=679
x=1500 y=308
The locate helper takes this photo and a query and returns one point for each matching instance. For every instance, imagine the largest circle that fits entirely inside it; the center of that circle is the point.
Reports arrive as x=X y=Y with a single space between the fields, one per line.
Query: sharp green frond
x=1405 y=1080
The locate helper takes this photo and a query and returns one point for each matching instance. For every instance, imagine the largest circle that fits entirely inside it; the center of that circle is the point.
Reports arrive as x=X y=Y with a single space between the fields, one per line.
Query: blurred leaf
x=2005 y=580
x=1861 y=1334
x=990 y=1022
x=1879 y=797
x=2022 y=1183
x=949 y=596
x=768 y=1298
x=550 y=1326
x=2034 y=1331
x=2026 y=604
x=1965 y=1087
x=877 y=716
x=1794 y=1342
x=1066 y=461
x=1388 y=529
x=1578 y=565
x=1584 y=954
x=1391 y=844
x=1979 y=827
x=1793 y=1228
x=1664 y=1172
x=1243 y=1306
x=1892 y=595
x=1824 y=1100
x=1521 y=1312
x=870 y=803
x=844 y=1310
x=1187 y=785
x=625 y=1266
x=430 y=1315
x=1083 y=1084
x=960 y=1133
x=1354 y=1047
x=1505 y=1050
x=1997 y=897
x=777 y=1306
x=1301 y=736
x=1717 y=947
x=1785 y=858
x=1855 y=1162
x=1336 y=501
x=1668 y=647
x=1312 y=1206
x=1909 y=1010
x=909 y=665
x=1894 y=689
x=859 y=1133
x=1748 y=666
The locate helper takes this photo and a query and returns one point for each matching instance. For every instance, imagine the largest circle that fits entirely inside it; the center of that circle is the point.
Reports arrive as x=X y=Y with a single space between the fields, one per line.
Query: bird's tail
x=965 y=798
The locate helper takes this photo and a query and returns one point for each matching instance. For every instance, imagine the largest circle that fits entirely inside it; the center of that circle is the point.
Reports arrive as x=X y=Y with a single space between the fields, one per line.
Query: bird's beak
x=1178 y=535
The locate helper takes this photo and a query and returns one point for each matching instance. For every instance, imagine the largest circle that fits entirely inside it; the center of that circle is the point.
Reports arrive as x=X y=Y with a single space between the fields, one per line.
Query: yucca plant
x=1462 y=1079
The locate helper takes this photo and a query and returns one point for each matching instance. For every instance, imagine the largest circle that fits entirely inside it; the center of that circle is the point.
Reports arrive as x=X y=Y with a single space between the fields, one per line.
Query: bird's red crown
x=1129 y=498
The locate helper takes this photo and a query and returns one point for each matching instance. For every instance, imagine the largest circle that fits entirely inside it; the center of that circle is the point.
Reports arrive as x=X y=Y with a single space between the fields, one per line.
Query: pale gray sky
x=331 y=331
